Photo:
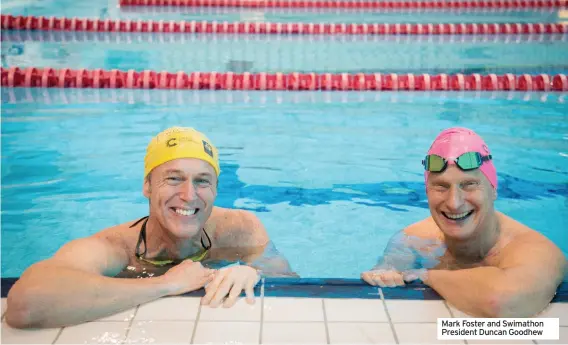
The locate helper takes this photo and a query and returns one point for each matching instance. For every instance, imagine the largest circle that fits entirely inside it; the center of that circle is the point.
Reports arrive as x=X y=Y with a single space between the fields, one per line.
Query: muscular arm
x=246 y=236
x=521 y=286
x=71 y=287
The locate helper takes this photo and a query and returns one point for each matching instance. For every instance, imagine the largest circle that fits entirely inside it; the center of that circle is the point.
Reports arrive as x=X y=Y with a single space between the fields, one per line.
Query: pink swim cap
x=453 y=142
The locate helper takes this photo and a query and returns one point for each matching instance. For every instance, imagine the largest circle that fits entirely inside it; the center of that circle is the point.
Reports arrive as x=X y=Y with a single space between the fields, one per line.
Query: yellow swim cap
x=180 y=142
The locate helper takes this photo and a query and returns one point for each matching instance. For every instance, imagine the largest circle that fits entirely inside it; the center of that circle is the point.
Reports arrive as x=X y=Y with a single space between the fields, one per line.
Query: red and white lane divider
x=9 y=22
x=318 y=11
x=349 y=4
x=115 y=79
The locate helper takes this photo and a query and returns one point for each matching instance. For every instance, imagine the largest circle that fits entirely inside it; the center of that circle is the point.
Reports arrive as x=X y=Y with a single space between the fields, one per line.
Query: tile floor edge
x=331 y=288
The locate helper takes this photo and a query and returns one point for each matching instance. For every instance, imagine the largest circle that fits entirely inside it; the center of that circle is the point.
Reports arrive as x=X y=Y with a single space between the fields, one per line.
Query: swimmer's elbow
x=18 y=318
x=495 y=304
x=19 y=308
x=509 y=302
x=493 y=301
x=24 y=307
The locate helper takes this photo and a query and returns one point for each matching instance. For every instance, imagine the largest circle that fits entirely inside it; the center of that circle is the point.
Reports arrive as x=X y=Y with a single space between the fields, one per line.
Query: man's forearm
x=487 y=292
x=56 y=296
x=474 y=291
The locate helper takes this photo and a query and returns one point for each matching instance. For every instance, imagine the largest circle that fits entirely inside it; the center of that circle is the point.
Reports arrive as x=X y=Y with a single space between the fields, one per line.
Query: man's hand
x=391 y=277
x=187 y=276
x=232 y=281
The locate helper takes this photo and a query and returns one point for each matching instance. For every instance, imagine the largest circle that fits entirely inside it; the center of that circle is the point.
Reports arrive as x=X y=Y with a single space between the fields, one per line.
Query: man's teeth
x=186 y=212
x=457 y=215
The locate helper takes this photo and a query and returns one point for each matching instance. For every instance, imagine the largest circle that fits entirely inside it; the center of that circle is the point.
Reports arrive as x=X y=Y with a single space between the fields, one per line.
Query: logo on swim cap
x=207 y=148
x=171 y=142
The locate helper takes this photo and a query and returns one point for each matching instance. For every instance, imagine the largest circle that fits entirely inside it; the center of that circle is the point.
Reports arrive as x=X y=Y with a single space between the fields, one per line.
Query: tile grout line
x=453 y=316
x=192 y=339
x=382 y=296
x=261 y=311
x=130 y=324
x=325 y=322
x=449 y=309
x=58 y=335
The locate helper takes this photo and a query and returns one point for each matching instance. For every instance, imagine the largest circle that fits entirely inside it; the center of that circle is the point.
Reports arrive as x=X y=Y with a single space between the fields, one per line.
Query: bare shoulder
x=527 y=246
x=520 y=236
x=425 y=229
x=121 y=236
x=237 y=228
x=117 y=239
x=104 y=252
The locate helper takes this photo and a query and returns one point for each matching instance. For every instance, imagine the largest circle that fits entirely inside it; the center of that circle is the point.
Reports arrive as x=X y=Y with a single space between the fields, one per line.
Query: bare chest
x=450 y=261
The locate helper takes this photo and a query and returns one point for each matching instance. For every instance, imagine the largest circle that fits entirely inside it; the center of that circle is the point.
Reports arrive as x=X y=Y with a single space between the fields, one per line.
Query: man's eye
x=203 y=182
x=440 y=187
x=172 y=178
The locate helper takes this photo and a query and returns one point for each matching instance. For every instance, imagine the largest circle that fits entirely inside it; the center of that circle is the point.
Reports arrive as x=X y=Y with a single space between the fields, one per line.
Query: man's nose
x=188 y=191
x=455 y=198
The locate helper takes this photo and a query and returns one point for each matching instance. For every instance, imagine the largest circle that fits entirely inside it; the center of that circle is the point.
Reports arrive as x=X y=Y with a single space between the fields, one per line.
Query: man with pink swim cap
x=483 y=262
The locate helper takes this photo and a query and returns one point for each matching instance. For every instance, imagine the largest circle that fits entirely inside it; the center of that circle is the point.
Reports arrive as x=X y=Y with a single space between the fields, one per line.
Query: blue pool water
x=332 y=176
x=519 y=54
x=265 y=53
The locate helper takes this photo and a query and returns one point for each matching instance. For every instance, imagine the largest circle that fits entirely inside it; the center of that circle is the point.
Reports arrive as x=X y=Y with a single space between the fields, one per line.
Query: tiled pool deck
x=305 y=311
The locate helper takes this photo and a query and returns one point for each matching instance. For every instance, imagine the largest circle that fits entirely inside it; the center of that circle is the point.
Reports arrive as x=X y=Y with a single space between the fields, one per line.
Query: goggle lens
x=467 y=161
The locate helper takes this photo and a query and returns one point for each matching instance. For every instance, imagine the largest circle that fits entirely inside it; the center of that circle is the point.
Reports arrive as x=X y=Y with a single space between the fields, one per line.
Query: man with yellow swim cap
x=84 y=280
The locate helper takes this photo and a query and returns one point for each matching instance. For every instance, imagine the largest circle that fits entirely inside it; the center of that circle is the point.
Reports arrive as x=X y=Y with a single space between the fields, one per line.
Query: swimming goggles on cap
x=467 y=161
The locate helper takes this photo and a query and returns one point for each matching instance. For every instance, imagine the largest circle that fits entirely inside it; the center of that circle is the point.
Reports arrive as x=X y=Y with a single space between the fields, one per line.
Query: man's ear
x=146 y=188
x=494 y=194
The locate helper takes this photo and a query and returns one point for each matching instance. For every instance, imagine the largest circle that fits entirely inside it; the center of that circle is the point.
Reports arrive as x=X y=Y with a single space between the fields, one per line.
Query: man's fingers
x=398 y=280
x=377 y=278
x=212 y=288
x=222 y=291
x=206 y=279
x=383 y=278
x=233 y=295
x=388 y=280
x=209 y=271
x=366 y=276
x=249 y=291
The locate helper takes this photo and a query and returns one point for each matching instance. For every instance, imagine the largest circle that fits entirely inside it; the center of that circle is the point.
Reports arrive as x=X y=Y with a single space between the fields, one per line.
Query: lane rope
x=9 y=22
x=356 y=4
x=147 y=79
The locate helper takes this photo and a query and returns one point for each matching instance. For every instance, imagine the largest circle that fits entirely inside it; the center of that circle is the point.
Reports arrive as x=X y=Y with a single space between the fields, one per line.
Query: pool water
x=332 y=176
x=519 y=54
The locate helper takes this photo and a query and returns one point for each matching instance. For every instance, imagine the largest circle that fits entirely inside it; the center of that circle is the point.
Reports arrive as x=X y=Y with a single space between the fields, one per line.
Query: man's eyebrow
x=205 y=174
x=173 y=171
x=434 y=180
x=471 y=179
